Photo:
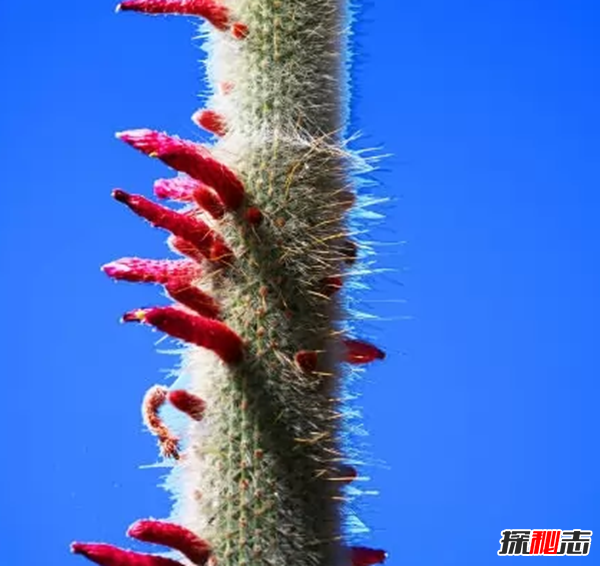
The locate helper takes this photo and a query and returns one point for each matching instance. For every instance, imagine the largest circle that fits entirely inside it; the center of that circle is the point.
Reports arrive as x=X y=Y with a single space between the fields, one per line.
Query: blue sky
x=485 y=413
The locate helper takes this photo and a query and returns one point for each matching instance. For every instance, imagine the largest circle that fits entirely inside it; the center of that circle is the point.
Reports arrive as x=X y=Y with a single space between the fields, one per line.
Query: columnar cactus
x=259 y=470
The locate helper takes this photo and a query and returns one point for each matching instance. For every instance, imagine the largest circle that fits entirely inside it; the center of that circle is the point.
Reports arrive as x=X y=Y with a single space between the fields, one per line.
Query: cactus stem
x=347 y=199
x=225 y=87
x=350 y=252
x=262 y=471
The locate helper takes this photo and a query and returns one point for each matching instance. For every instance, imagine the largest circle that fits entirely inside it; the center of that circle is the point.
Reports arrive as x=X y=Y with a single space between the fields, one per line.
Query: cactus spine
x=258 y=469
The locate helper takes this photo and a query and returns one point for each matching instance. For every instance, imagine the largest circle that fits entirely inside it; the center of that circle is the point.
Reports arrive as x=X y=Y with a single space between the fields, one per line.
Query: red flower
x=212 y=11
x=239 y=30
x=254 y=216
x=363 y=556
x=307 y=360
x=183 y=247
x=359 y=352
x=195 y=329
x=185 y=226
x=332 y=285
x=220 y=253
x=137 y=270
x=347 y=474
x=195 y=299
x=178 y=188
x=108 y=555
x=190 y=158
x=211 y=121
x=174 y=536
x=206 y=199
x=187 y=403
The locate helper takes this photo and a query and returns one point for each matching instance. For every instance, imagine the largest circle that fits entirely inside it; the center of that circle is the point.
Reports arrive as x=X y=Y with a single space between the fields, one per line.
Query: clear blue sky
x=486 y=411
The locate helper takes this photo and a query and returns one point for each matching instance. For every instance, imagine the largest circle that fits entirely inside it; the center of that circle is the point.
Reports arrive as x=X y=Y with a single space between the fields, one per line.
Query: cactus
x=259 y=469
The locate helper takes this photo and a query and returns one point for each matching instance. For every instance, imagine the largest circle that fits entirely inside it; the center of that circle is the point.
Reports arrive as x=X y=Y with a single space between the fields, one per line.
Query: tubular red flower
x=192 y=297
x=306 y=360
x=190 y=158
x=359 y=352
x=187 y=403
x=153 y=400
x=207 y=199
x=211 y=10
x=174 y=536
x=178 y=188
x=211 y=121
x=183 y=247
x=332 y=285
x=220 y=253
x=254 y=216
x=347 y=474
x=239 y=30
x=137 y=270
x=183 y=225
x=195 y=329
x=363 y=556
x=109 y=555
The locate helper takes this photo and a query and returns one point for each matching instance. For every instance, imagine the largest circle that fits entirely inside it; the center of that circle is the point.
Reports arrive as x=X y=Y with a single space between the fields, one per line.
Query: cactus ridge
x=259 y=469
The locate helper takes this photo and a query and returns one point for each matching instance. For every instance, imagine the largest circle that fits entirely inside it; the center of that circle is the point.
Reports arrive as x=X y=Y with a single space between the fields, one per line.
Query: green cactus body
x=260 y=477
x=267 y=495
